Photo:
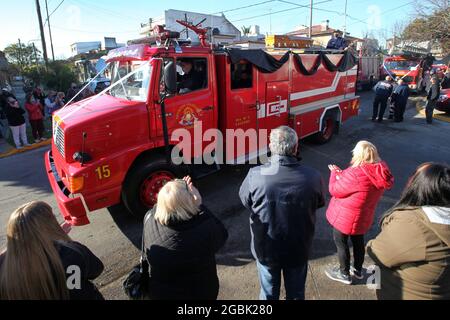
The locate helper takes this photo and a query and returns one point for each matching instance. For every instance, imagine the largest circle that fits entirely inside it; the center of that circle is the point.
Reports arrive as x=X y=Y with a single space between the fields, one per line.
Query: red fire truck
x=114 y=147
x=407 y=67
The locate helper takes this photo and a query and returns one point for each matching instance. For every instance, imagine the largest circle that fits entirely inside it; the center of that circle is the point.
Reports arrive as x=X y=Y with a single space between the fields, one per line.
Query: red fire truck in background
x=114 y=147
x=407 y=67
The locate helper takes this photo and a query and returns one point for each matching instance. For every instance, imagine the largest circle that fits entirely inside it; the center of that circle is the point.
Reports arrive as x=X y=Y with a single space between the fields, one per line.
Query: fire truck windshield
x=130 y=80
x=400 y=65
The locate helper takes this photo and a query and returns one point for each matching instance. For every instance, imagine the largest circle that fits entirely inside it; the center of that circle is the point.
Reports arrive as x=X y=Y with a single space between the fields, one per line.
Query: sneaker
x=334 y=273
x=27 y=145
x=19 y=148
x=356 y=274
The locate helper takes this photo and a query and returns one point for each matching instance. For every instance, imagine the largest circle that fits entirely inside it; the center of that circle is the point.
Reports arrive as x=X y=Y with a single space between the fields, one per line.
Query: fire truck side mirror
x=170 y=79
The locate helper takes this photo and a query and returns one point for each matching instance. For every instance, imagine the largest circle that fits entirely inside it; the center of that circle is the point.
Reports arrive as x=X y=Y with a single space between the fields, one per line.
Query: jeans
x=341 y=241
x=19 y=132
x=380 y=113
x=270 y=281
x=429 y=109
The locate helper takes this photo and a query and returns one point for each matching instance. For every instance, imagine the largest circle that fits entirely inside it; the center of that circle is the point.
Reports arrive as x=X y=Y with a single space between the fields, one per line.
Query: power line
x=102 y=32
x=103 y=10
x=298 y=6
x=245 y=7
x=384 y=12
x=57 y=7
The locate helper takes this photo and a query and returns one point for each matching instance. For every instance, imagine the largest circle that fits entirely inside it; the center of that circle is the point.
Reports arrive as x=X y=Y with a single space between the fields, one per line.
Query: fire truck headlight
x=75 y=184
x=81 y=157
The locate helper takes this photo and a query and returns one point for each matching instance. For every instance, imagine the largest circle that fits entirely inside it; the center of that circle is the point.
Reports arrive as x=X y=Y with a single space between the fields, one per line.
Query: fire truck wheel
x=143 y=183
x=328 y=128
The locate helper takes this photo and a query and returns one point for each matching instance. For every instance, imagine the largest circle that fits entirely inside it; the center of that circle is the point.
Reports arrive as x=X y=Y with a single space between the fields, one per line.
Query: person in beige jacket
x=413 y=248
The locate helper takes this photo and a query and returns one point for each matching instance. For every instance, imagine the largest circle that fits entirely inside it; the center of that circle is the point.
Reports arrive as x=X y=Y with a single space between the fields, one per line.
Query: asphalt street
x=114 y=236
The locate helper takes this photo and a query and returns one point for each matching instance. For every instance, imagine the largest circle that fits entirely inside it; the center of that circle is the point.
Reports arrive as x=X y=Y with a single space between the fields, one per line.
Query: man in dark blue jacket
x=282 y=197
x=383 y=90
x=337 y=42
x=433 y=95
x=400 y=98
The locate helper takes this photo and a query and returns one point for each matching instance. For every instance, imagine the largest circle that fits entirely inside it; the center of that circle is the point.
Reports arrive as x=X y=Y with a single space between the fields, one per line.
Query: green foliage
x=22 y=56
x=435 y=26
x=246 y=30
x=59 y=75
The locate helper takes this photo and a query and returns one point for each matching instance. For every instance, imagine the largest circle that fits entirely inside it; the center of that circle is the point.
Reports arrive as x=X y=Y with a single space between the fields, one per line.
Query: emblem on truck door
x=188 y=115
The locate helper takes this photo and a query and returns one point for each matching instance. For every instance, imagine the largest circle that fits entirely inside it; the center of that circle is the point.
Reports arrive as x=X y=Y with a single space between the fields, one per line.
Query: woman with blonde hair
x=355 y=193
x=41 y=262
x=181 y=237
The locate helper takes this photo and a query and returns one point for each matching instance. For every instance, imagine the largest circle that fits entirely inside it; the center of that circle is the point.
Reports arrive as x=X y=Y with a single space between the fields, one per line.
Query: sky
x=84 y=20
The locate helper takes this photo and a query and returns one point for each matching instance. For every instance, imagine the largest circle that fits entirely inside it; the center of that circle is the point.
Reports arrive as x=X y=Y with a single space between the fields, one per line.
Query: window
x=241 y=75
x=134 y=78
x=192 y=74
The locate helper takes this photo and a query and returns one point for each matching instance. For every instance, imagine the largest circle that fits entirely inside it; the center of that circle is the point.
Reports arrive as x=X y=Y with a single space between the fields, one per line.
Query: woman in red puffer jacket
x=36 y=117
x=355 y=192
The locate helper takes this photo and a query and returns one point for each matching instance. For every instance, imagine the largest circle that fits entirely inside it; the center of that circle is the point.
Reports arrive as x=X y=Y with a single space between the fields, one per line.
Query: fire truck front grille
x=59 y=139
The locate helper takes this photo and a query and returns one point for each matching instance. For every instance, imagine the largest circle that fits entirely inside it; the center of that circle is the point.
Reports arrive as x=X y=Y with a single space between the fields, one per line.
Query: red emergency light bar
x=133 y=52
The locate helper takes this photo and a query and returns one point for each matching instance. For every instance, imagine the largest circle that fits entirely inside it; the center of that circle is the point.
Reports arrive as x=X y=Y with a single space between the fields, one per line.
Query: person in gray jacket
x=282 y=197
x=432 y=97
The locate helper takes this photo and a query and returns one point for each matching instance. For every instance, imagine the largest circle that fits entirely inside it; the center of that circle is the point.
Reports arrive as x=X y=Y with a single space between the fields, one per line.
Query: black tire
x=329 y=127
x=134 y=183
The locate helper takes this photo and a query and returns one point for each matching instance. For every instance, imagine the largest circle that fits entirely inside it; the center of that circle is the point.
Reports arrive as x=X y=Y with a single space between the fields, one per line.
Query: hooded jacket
x=355 y=194
x=413 y=253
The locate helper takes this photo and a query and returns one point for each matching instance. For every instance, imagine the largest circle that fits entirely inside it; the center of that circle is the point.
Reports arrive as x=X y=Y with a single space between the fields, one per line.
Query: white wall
x=212 y=21
x=85 y=47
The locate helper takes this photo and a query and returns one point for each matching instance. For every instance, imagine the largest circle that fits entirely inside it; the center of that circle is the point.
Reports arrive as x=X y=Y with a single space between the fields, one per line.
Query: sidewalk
x=7 y=150
x=241 y=283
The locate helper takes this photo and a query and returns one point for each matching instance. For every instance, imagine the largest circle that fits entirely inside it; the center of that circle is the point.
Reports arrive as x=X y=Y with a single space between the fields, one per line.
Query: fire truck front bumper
x=72 y=208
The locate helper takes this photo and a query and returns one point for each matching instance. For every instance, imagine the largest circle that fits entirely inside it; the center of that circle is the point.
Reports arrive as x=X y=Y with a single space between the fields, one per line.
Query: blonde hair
x=364 y=152
x=32 y=268
x=175 y=203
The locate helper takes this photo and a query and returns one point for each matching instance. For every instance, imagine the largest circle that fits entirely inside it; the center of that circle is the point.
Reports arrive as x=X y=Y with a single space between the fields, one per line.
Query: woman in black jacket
x=16 y=121
x=181 y=238
x=41 y=262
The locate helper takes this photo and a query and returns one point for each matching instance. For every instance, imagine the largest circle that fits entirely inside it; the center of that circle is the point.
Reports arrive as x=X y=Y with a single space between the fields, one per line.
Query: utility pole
x=345 y=20
x=187 y=29
x=41 y=27
x=270 y=17
x=310 y=18
x=50 y=31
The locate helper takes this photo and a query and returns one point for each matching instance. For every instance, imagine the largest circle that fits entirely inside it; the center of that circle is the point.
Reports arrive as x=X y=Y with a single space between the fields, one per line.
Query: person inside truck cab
x=191 y=79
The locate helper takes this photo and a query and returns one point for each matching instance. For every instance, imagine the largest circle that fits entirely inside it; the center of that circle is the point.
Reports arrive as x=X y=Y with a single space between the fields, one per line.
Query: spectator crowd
x=181 y=236
x=38 y=107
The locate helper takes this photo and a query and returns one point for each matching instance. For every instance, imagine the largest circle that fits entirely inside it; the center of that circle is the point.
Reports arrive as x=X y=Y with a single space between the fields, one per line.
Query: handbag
x=136 y=285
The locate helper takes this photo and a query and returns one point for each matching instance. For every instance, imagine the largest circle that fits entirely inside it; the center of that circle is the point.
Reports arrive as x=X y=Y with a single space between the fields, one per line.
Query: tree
x=22 y=55
x=58 y=76
x=432 y=22
x=246 y=30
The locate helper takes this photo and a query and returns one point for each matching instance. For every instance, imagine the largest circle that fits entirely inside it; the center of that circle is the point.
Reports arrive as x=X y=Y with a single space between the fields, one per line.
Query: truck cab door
x=273 y=111
x=192 y=109
x=240 y=113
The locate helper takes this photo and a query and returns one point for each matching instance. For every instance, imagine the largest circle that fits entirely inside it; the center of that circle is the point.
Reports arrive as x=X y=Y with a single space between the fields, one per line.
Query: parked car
x=98 y=85
x=443 y=103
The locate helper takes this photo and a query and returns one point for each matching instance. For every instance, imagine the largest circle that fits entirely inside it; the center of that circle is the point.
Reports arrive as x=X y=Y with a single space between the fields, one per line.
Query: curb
x=12 y=151
x=437 y=116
